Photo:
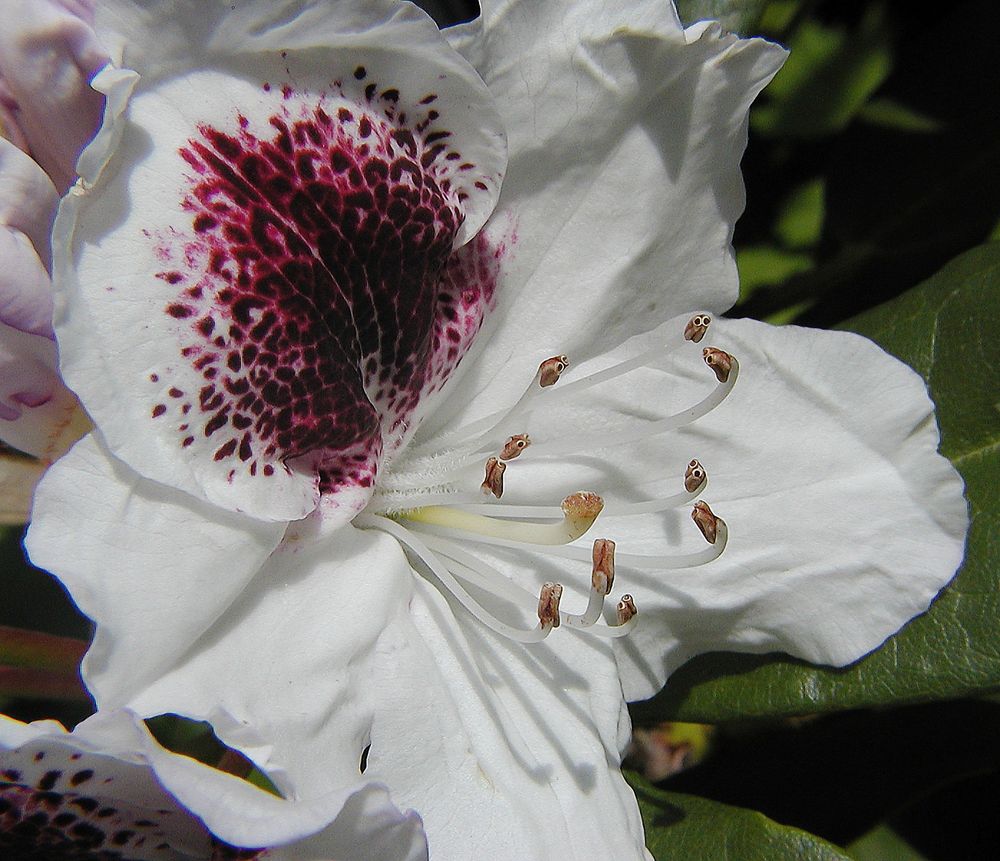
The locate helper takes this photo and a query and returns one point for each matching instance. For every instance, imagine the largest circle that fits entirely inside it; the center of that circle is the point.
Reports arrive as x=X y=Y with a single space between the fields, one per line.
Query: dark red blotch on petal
x=316 y=291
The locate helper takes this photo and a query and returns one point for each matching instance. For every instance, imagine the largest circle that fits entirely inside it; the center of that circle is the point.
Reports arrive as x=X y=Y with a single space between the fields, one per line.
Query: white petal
x=123 y=545
x=623 y=183
x=155 y=322
x=285 y=672
x=366 y=826
x=109 y=776
x=507 y=751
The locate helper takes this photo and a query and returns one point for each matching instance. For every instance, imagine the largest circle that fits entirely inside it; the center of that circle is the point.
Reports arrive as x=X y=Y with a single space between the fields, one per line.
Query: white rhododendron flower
x=339 y=501
x=92 y=794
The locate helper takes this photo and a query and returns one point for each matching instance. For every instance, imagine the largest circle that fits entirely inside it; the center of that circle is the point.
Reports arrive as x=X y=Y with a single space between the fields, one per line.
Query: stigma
x=447 y=517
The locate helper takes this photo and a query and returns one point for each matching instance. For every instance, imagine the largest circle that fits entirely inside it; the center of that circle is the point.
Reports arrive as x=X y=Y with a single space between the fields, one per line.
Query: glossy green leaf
x=883 y=844
x=738 y=16
x=948 y=329
x=686 y=827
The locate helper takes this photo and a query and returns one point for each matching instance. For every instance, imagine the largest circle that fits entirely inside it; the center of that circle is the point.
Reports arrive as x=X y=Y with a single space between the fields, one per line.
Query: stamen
x=435 y=533
x=603 y=576
x=550 y=370
x=640 y=561
x=547 y=375
x=707 y=522
x=695 y=477
x=514 y=446
x=450 y=582
x=697 y=327
x=493 y=483
x=548 y=605
x=695 y=482
x=570 y=444
x=719 y=361
x=626 y=610
x=474 y=570
x=651 y=357
x=579 y=510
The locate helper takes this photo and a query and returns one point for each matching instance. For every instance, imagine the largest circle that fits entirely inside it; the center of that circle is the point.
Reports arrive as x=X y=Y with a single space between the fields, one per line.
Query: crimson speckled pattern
x=55 y=816
x=315 y=290
x=62 y=805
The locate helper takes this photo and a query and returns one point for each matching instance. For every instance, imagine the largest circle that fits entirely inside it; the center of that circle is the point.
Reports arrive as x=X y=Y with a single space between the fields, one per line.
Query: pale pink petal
x=48 y=54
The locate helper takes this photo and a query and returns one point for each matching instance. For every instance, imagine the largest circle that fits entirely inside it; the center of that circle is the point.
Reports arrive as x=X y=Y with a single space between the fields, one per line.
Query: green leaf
x=737 y=16
x=883 y=844
x=696 y=829
x=948 y=329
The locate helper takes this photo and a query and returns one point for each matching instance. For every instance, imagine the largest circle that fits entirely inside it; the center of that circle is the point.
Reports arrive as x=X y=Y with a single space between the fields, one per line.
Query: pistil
x=579 y=511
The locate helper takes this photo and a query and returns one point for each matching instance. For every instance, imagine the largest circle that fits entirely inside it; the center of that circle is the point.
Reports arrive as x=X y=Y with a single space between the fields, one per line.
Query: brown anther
x=583 y=505
x=696 y=327
x=493 y=483
x=719 y=361
x=548 y=605
x=550 y=370
x=514 y=446
x=694 y=476
x=603 y=576
x=626 y=609
x=707 y=522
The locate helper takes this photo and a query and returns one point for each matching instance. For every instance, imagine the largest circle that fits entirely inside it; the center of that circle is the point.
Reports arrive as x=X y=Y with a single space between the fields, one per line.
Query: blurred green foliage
x=875 y=130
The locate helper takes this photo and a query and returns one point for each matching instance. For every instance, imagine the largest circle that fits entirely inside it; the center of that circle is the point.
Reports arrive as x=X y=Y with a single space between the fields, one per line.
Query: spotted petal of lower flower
x=253 y=308
x=104 y=791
